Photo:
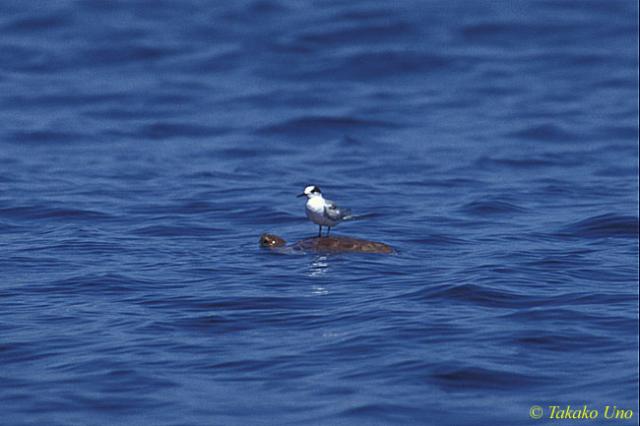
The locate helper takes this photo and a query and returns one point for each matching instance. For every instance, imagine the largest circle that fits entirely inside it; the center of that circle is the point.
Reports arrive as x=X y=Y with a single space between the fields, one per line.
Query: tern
x=322 y=211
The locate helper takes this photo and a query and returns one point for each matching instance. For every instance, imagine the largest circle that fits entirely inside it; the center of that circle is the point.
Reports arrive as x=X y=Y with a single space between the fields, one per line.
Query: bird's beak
x=301 y=195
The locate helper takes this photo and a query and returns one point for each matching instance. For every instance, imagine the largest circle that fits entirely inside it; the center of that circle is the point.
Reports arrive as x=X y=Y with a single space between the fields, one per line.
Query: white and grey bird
x=322 y=211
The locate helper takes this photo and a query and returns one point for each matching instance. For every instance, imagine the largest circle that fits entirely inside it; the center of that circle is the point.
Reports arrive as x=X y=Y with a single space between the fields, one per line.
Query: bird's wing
x=334 y=212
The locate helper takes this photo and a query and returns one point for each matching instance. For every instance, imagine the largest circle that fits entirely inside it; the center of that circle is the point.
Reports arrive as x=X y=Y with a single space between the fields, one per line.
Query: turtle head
x=271 y=241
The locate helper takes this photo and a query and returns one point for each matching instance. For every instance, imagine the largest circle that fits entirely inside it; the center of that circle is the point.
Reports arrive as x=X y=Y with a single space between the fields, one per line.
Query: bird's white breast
x=315 y=211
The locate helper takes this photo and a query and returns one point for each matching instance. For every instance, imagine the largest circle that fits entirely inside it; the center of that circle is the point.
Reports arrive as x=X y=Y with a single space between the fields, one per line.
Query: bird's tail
x=349 y=216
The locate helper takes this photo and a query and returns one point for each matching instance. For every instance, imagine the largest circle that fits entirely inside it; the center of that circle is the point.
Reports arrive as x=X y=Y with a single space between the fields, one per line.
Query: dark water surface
x=146 y=145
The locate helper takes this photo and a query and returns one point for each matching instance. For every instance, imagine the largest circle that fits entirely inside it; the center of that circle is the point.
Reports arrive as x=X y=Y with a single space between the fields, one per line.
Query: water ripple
x=606 y=225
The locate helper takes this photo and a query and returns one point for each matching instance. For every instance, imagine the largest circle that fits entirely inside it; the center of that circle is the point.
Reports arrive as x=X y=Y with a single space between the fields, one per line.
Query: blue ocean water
x=145 y=146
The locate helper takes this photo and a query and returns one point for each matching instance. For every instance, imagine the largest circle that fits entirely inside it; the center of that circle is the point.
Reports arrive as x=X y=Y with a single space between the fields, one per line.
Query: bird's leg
x=320 y=231
x=328 y=230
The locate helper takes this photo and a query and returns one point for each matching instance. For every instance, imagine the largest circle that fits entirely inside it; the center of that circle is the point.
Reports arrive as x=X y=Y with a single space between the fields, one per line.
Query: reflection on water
x=318 y=290
x=318 y=266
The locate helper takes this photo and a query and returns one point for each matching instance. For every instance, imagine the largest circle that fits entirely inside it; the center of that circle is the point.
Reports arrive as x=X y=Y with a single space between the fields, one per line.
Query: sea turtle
x=334 y=244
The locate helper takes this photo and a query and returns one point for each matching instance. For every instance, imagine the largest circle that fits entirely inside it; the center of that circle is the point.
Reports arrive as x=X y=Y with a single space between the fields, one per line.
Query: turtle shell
x=332 y=244
x=341 y=245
